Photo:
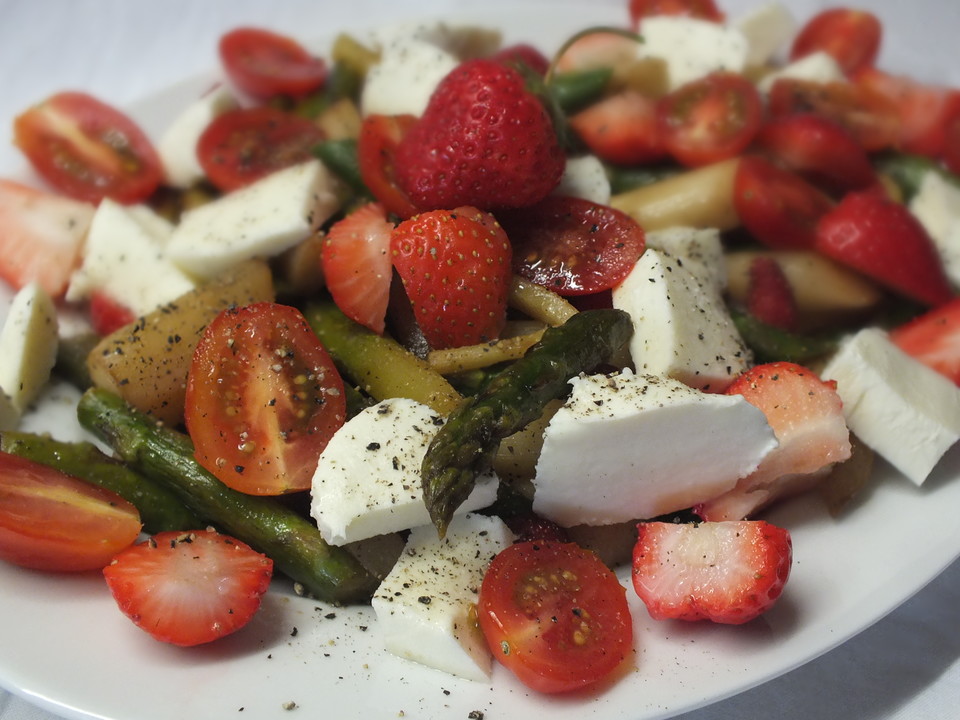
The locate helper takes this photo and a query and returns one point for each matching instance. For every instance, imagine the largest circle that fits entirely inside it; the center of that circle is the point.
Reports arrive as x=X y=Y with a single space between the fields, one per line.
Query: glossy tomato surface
x=376 y=155
x=53 y=521
x=555 y=615
x=263 y=399
x=265 y=64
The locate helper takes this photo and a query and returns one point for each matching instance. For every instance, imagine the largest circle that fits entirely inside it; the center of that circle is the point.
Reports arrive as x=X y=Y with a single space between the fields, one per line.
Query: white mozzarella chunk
x=819 y=67
x=692 y=48
x=257 y=221
x=367 y=480
x=626 y=447
x=937 y=206
x=681 y=326
x=584 y=177
x=768 y=28
x=125 y=257
x=699 y=250
x=178 y=144
x=423 y=606
x=28 y=349
x=903 y=410
x=403 y=80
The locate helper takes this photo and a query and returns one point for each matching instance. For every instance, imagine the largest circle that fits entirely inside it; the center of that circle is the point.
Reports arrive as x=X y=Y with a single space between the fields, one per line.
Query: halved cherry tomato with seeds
x=376 y=149
x=263 y=399
x=264 y=64
x=851 y=37
x=555 y=615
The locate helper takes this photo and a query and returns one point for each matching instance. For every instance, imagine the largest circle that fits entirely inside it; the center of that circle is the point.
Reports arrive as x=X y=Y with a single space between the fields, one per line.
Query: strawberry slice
x=188 y=588
x=726 y=572
x=356 y=265
x=806 y=415
x=769 y=295
x=934 y=339
x=881 y=239
x=456 y=267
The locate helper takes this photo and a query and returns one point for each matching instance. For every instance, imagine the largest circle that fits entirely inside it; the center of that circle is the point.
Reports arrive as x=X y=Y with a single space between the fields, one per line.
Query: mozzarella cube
x=818 y=67
x=403 y=80
x=424 y=605
x=768 y=28
x=903 y=410
x=178 y=145
x=681 y=326
x=585 y=177
x=28 y=348
x=699 y=250
x=627 y=447
x=692 y=48
x=257 y=221
x=937 y=206
x=125 y=257
x=367 y=481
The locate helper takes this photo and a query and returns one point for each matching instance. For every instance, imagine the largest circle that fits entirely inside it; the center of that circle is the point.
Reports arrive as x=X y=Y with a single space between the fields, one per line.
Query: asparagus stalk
x=293 y=542
x=464 y=447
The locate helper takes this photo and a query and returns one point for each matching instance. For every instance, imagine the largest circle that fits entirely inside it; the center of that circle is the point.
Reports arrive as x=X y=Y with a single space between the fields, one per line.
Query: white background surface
x=906 y=667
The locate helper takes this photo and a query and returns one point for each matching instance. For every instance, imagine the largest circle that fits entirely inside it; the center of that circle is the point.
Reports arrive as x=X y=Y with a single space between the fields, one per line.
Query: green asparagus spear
x=771 y=343
x=465 y=445
x=908 y=171
x=160 y=509
x=293 y=542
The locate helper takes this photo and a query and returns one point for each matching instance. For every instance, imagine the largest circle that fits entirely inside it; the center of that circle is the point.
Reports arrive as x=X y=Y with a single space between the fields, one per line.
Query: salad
x=112 y=309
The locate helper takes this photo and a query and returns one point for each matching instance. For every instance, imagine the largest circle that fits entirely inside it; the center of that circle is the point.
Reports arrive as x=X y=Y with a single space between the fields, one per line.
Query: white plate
x=67 y=648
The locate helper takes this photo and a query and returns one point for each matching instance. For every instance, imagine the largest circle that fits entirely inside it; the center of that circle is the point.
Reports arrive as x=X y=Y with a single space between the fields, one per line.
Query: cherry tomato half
x=241 y=146
x=573 y=246
x=263 y=399
x=53 y=521
x=710 y=119
x=700 y=9
x=264 y=64
x=88 y=150
x=555 y=615
x=851 y=36
x=376 y=155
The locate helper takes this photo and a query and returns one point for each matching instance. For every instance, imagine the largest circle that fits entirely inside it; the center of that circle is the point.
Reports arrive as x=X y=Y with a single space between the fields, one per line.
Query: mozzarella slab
x=903 y=410
x=768 y=28
x=627 y=447
x=585 y=177
x=699 y=250
x=28 y=349
x=409 y=70
x=367 y=481
x=681 y=326
x=692 y=48
x=819 y=67
x=937 y=206
x=423 y=606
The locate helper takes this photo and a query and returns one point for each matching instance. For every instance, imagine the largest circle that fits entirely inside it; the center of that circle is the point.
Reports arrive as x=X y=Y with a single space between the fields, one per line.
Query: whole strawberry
x=455 y=268
x=484 y=140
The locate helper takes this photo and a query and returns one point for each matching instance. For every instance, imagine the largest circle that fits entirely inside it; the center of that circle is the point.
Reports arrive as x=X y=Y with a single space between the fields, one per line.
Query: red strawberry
x=108 y=314
x=484 y=140
x=189 y=588
x=880 y=238
x=455 y=267
x=769 y=295
x=727 y=572
x=934 y=339
x=806 y=415
x=356 y=265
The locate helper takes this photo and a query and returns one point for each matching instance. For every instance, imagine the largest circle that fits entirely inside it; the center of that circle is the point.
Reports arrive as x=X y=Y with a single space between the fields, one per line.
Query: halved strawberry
x=726 y=572
x=806 y=415
x=934 y=339
x=188 y=588
x=769 y=295
x=356 y=265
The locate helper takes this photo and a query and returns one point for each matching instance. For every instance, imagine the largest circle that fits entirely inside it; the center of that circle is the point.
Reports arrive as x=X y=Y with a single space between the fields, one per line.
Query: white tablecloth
x=907 y=667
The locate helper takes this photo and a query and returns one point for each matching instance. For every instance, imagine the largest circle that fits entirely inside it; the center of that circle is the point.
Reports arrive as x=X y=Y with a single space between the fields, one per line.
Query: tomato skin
x=263 y=399
x=244 y=145
x=88 y=150
x=56 y=522
x=107 y=315
x=851 y=36
x=621 y=129
x=376 y=155
x=710 y=119
x=573 y=246
x=700 y=9
x=264 y=64
x=555 y=615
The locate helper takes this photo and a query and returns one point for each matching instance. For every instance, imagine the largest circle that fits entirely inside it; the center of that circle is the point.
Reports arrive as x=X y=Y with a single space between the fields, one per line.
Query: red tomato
x=244 y=145
x=710 y=119
x=778 y=207
x=621 y=129
x=376 y=150
x=852 y=37
x=573 y=246
x=701 y=9
x=264 y=64
x=555 y=615
x=53 y=521
x=818 y=148
x=951 y=142
x=88 y=150
x=107 y=314
x=872 y=119
x=263 y=399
